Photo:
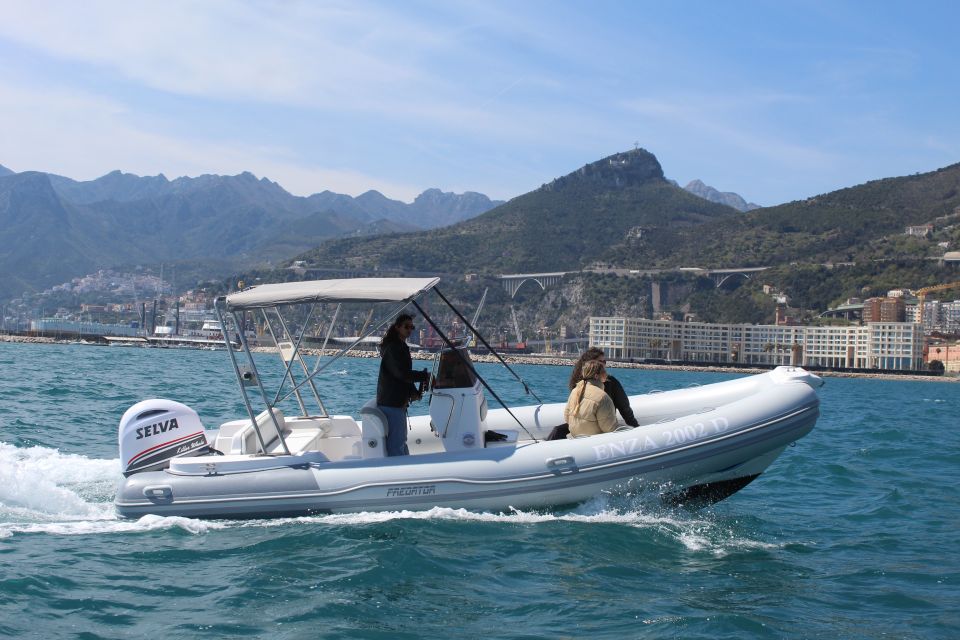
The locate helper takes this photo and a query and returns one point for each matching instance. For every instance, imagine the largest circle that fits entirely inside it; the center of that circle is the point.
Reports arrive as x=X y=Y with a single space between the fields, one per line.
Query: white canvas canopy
x=349 y=290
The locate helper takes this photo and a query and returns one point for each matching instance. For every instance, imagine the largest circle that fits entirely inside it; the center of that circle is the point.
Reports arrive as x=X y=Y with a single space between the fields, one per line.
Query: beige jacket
x=595 y=412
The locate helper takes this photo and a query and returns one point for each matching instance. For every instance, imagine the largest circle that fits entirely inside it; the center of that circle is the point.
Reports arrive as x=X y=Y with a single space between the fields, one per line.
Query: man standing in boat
x=397 y=382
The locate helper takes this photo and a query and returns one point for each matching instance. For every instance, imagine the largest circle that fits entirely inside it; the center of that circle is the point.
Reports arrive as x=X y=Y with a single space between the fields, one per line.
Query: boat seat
x=374 y=429
x=268 y=430
x=297 y=441
x=238 y=436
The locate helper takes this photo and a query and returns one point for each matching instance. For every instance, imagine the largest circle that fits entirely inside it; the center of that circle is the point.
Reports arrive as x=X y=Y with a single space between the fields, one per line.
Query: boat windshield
x=454 y=371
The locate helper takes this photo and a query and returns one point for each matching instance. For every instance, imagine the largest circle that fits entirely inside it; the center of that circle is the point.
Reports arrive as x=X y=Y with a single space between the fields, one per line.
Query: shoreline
x=557 y=361
x=564 y=361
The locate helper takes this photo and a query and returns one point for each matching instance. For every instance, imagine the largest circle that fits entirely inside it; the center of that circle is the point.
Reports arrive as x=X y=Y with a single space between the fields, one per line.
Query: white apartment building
x=937 y=316
x=877 y=345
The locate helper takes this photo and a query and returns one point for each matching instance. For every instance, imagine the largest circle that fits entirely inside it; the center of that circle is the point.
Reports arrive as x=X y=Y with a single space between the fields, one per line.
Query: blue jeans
x=396 y=430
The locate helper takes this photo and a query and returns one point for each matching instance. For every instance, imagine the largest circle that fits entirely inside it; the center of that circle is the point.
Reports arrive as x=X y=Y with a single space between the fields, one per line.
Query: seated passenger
x=611 y=385
x=589 y=409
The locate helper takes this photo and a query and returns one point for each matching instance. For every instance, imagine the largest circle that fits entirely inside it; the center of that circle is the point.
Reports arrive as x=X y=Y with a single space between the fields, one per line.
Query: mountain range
x=563 y=225
x=621 y=211
x=53 y=228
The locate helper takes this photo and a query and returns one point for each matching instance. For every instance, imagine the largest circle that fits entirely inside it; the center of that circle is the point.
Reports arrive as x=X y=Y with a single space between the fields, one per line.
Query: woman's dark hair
x=593 y=353
x=393 y=333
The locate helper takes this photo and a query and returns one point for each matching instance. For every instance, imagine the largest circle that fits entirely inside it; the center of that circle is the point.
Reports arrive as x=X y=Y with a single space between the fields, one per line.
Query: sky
x=774 y=100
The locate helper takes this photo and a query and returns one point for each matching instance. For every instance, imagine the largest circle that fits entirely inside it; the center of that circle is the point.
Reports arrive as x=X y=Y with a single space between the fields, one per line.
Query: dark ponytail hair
x=593 y=353
x=393 y=333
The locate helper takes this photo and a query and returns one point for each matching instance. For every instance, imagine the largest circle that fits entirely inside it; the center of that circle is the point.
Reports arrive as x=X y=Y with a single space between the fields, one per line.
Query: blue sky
x=774 y=100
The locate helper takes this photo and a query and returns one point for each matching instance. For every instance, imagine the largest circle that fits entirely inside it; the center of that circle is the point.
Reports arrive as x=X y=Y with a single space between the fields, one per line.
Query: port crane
x=922 y=293
x=476 y=316
x=516 y=325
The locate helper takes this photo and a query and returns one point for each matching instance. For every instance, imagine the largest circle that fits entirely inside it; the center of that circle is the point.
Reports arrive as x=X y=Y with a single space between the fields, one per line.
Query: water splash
x=39 y=484
x=109 y=526
x=696 y=532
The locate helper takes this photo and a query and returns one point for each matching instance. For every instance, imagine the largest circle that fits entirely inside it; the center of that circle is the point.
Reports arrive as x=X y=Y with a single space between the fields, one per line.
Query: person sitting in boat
x=396 y=384
x=589 y=409
x=612 y=386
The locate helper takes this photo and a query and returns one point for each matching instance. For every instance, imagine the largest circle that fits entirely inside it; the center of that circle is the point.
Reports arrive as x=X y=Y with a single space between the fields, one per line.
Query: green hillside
x=859 y=223
x=564 y=225
x=621 y=212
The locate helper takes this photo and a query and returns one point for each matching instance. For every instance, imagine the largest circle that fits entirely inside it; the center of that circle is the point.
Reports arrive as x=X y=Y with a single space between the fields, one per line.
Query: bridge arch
x=513 y=282
x=728 y=276
x=514 y=287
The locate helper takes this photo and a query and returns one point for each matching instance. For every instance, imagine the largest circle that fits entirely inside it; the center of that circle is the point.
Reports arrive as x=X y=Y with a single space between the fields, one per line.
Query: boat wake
x=695 y=531
x=44 y=491
x=39 y=486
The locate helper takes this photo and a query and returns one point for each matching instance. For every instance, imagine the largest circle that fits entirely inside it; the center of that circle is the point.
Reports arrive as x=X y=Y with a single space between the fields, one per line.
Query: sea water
x=852 y=533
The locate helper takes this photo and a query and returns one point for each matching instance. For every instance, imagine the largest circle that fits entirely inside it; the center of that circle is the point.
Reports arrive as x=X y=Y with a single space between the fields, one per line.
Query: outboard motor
x=153 y=431
x=458 y=408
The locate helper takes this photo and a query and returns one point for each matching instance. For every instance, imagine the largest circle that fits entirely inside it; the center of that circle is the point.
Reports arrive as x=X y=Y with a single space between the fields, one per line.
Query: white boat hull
x=694 y=445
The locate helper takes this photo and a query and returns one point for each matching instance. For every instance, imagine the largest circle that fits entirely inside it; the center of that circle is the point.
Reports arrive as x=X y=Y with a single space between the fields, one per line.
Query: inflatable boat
x=694 y=445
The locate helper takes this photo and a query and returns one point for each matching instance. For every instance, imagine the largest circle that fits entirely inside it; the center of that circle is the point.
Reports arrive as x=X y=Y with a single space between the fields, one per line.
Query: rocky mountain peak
x=621 y=170
x=698 y=188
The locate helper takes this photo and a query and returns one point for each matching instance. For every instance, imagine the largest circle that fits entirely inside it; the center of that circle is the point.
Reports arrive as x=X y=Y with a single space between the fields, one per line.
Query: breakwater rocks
x=29 y=339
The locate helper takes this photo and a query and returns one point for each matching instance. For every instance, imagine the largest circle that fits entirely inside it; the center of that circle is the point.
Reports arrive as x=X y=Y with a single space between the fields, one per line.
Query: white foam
x=87 y=527
x=696 y=533
x=39 y=483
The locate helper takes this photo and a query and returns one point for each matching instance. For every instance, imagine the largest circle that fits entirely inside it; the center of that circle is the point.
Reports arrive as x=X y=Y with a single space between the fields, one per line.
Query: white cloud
x=351 y=55
x=83 y=136
x=494 y=96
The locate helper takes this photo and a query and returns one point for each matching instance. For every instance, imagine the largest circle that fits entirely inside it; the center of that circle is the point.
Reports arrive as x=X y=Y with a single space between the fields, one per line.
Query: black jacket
x=615 y=390
x=395 y=384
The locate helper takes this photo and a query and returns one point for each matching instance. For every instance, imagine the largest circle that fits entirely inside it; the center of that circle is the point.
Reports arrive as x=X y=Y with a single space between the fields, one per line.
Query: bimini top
x=349 y=290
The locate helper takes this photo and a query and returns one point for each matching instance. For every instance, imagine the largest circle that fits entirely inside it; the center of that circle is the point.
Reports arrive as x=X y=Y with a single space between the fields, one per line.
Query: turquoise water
x=853 y=533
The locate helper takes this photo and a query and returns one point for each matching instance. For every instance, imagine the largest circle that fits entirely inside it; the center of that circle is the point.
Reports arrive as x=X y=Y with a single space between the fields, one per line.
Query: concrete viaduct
x=513 y=281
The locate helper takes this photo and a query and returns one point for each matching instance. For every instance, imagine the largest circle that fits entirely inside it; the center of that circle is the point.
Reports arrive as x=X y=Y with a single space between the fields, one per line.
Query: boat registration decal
x=669 y=438
x=418 y=490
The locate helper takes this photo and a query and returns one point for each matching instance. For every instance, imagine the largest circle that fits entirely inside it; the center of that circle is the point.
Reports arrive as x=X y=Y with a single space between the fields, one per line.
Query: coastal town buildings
x=938 y=316
x=894 y=346
x=900 y=305
x=947 y=354
x=889 y=309
x=58 y=326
